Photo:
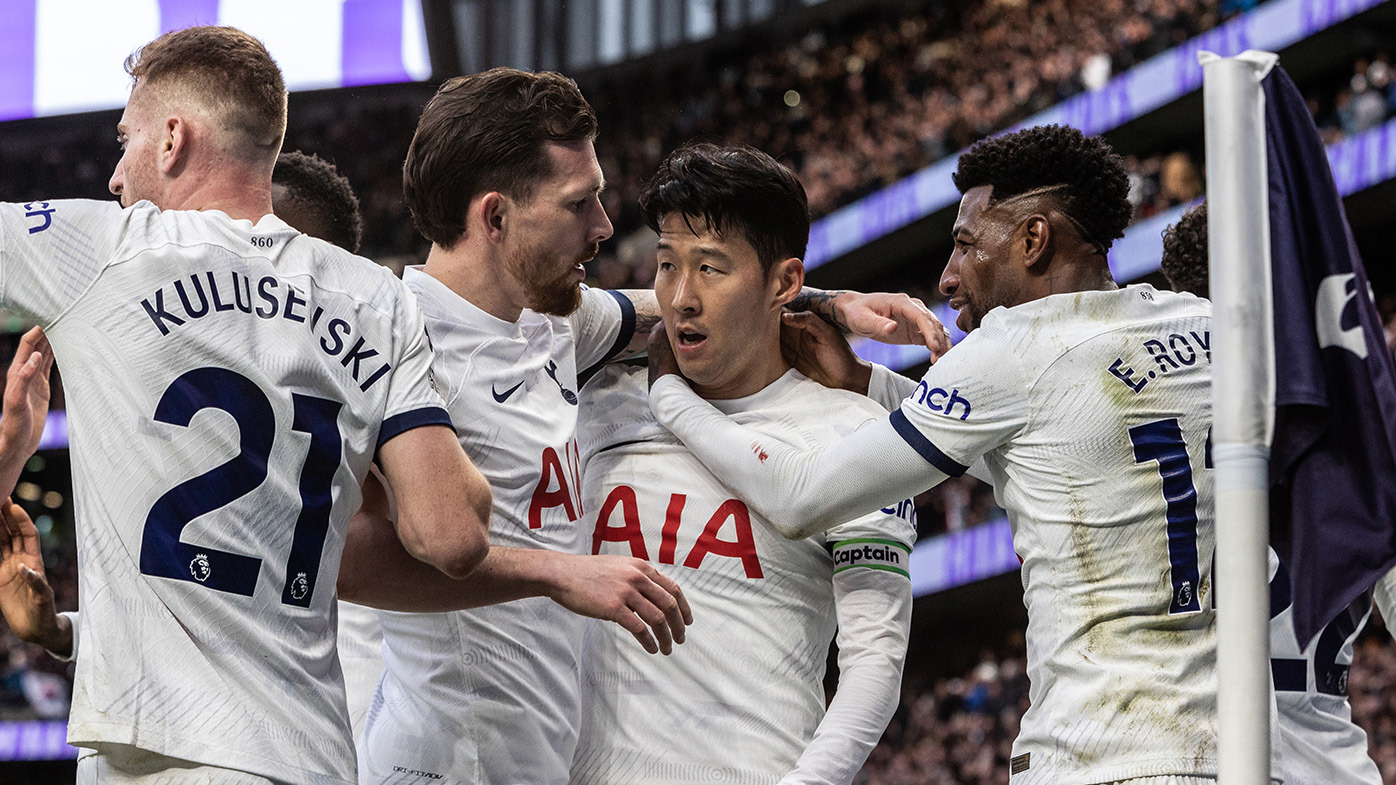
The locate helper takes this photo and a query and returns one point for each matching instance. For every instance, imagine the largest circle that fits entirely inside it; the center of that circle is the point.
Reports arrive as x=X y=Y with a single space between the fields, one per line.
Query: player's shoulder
x=1039 y=331
x=58 y=219
x=614 y=408
x=805 y=399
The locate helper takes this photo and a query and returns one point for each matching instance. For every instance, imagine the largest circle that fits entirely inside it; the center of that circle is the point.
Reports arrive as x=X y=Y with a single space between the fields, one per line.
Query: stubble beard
x=549 y=293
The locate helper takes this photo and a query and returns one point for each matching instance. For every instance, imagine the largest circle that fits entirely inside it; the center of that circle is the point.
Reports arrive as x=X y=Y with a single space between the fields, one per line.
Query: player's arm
x=443 y=502
x=885 y=317
x=873 y=604
x=806 y=491
x=377 y=571
x=26 y=599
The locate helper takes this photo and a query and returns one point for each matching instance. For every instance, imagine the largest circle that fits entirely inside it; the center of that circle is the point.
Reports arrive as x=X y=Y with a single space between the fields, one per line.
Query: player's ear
x=174 y=144
x=785 y=280
x=1034 y=239
x=491 y=213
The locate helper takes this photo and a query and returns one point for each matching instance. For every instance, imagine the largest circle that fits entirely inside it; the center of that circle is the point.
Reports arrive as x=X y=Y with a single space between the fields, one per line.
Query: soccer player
x=309 y=194
x=743 y=700
x=1090 y=407
x=502 y=177
x=236 y=380
x=1319 y=742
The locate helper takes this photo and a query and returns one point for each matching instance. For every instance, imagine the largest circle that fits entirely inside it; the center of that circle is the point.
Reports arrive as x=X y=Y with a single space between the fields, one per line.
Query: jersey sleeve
x=800 y=491
x=413 y=400
x=970 y=402
x=887 y=388
x=872 y=599
x=52 y=251
x=602 y=327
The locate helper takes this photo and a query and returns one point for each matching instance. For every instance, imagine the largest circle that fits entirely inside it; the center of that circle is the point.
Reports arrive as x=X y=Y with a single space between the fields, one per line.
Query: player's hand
x=26 y=395
x=26 y=599
x=629 y=592
x=662 y=361
x=891 y=317
x=818 y=350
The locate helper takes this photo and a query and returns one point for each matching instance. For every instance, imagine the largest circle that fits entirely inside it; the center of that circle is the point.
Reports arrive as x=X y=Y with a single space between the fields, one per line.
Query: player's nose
x=950 y=279
x=601 y=229
x=118 y=179
x=686 y=298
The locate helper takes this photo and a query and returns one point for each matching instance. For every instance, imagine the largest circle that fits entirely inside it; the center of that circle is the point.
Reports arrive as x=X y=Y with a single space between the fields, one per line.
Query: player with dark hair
x=310 y=194
x=1319 y=744
x=1184 y=259
x=1089 y=408
x=502 y=177
x=237 y=381
x=732 y=226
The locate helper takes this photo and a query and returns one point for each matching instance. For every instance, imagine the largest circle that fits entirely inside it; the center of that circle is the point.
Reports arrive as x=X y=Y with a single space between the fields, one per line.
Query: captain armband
x=871 y=553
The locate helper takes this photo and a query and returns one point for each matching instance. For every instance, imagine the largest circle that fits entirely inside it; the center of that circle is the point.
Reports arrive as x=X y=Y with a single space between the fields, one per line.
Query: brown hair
x=227 y=71
x=487 y=132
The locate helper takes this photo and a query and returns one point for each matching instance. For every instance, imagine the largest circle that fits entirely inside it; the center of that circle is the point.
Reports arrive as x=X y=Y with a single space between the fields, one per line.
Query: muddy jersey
x=490 y=695
x=227 y=383
x=1092 y=412
x=742 y=699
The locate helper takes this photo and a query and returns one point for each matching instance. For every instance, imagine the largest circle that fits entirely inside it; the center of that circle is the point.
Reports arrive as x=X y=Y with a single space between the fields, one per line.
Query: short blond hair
x=227 y=71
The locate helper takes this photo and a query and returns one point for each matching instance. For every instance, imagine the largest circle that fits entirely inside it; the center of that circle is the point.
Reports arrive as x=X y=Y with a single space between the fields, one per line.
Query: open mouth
x=689 y=339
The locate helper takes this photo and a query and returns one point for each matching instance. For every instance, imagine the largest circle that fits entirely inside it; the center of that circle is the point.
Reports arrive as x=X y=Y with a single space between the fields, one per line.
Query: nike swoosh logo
x=504 y=396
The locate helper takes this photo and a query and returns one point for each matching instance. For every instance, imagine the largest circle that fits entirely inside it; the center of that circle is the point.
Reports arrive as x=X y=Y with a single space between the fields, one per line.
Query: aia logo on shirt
x=622 y=500
x=937 y=399
x=558 y=485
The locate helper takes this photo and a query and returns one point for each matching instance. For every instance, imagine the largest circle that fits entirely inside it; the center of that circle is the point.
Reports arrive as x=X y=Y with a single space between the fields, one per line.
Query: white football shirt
x=1092 y=413
x=1319 y=742
x=490 y=695
x=228 y=384
x=741 y=700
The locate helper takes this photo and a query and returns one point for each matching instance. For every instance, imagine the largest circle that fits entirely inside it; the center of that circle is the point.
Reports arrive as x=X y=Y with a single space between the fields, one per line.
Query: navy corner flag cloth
x=1333 y=458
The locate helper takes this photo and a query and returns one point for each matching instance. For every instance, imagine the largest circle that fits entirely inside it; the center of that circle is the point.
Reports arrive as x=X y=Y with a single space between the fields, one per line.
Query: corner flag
x=1333 y=457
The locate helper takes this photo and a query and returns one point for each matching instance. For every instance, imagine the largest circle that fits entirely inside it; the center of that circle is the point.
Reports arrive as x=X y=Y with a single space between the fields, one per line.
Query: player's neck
x=1086 y=276
x=476 y=278
x=751 y=372
x=239 y=200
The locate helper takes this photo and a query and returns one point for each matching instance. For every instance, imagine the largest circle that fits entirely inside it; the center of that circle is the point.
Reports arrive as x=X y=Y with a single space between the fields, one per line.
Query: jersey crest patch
x=871 y=553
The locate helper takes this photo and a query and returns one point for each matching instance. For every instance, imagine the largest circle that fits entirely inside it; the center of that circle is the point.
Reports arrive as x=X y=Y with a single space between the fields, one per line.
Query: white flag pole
x=1243 y=395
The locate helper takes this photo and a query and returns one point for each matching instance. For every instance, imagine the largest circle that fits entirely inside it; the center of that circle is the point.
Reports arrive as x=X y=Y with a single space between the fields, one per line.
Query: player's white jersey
x=360 y=644
x=741 y=699
x=1319 y=742
x=227 y=386
x=1092 y=412
x=490 y=695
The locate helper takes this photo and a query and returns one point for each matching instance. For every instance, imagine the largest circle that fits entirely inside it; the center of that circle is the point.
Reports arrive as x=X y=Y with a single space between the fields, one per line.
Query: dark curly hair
x=318 y=200
x=1185 y=252
x=730 y=189
x=1093 y=187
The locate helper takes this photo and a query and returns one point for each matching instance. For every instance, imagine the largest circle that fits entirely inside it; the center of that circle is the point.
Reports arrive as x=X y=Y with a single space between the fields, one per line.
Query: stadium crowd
x=907 y=97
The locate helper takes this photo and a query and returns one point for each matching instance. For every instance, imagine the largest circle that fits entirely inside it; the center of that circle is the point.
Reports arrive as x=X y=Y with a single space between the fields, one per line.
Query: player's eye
x=666 y=266
x=707 y=268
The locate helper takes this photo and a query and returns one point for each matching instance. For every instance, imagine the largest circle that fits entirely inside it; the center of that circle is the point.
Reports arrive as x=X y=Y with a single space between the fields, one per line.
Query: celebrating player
x=748 y=682
x=236 y=381
x=502 y=177
x=1090 y=406
x=1319 y=742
